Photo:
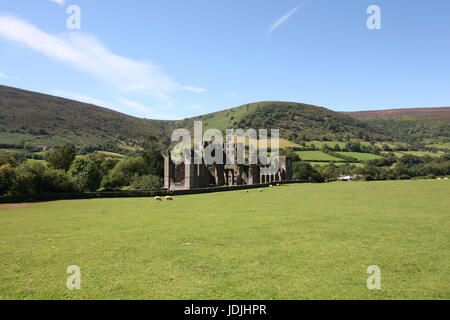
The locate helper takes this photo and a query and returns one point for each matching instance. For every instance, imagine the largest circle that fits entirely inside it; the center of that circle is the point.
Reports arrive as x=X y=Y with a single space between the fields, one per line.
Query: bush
x=7 y=176
x=58 y=181
x=86 y=174
x=124 y=172
x=62 y=159
x=35 y=178
x=147 y=182
x=304 y=171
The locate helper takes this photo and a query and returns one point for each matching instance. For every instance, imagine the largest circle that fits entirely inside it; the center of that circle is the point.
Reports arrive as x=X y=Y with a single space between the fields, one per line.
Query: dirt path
x=14 y=206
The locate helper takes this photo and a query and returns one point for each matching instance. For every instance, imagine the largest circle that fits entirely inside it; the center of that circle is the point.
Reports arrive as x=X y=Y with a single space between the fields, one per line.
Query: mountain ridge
x=42 y=120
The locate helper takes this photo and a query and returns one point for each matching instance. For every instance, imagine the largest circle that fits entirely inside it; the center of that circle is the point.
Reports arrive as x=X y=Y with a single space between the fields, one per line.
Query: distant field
x=422 y=153
x=320 y=144
x=311 y=241
x=425 y=114
x=440 y=145
x=316 y=155
x=38 y=161
x=360 y=156
x=111 y=154
x=337 y=164
x=44 y=140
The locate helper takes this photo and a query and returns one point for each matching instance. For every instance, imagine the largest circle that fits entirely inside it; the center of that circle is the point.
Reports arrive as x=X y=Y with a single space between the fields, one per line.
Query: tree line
x=64 y=172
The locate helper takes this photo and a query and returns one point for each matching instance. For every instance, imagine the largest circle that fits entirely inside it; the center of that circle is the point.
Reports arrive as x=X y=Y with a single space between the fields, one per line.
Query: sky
x=173 y=59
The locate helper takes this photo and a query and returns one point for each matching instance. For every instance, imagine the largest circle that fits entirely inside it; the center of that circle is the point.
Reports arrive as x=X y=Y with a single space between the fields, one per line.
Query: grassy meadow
x=306 y=241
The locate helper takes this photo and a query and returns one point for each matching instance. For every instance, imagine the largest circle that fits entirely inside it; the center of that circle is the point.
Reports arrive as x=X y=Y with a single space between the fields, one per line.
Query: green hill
x=46 y=121
x=37 y=121
x=296 y=121
x=419 y=125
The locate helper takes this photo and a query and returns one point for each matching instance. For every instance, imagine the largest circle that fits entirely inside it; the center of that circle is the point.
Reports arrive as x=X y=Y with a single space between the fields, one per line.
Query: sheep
x=158 y=199
x=169 y=198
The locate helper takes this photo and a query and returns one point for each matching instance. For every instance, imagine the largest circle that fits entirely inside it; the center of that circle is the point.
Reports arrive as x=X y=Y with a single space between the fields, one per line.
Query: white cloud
x=3 y=75
x=78 y=97
x=60 y=2
x=146 y=111
x=193 y=89
x=283 y=19
x=90 y=55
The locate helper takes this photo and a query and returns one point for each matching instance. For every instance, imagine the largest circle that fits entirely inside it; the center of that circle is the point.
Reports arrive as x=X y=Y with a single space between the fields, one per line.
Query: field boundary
x=131 y=194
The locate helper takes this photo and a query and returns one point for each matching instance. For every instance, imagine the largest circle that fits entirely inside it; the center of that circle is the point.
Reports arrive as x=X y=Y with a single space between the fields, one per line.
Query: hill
x=35 y=120
x=46 y=121
x=418 y=126
x=296 y=121
x=419 y=114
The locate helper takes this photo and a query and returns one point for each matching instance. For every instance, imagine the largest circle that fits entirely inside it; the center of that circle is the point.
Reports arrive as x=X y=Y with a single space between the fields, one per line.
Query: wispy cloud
x=78 y=97
x=146 y=111
x=88 y=54
x=284 y=18
x=3 y=75
x=60 y=2
x=193 y=89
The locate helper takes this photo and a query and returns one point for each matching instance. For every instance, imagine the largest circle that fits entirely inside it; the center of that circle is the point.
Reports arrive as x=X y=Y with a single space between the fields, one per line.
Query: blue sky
x=171 y=59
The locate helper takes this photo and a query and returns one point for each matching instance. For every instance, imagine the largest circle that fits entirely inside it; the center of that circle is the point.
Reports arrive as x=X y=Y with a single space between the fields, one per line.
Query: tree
x=304 y=171
x=62 y=159
x=7 y=176
x=7 y=159
x=86 y=174
x=153 y=157
x=147 y=182
x=124 y=172
x=35 y=178
x=291 y=154
x=337 y=148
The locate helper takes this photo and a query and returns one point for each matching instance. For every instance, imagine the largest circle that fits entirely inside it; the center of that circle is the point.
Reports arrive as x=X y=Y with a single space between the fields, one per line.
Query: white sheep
x=169 y=198
x=158 y=199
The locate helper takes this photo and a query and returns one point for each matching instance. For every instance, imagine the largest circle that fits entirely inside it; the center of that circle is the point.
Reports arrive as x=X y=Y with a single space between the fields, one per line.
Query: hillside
x=37 y=121
x=296 y=121
x=44 y=120
x=420 y=125
x=419 y=114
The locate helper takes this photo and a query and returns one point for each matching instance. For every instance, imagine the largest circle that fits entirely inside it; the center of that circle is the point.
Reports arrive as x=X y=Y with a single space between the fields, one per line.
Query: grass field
x=337 y=164
x=360 y=156
x=423 y=153
x=311 y=241
x=316 y=155
x=443 y=145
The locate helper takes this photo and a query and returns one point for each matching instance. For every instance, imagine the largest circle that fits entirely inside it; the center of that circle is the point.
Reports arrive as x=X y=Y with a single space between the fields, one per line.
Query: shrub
x=7 y=176
x=62 y=159
x=304 y=171
x=147 y=182
x=124 y=172
x=34 y=178
x=86 y=174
